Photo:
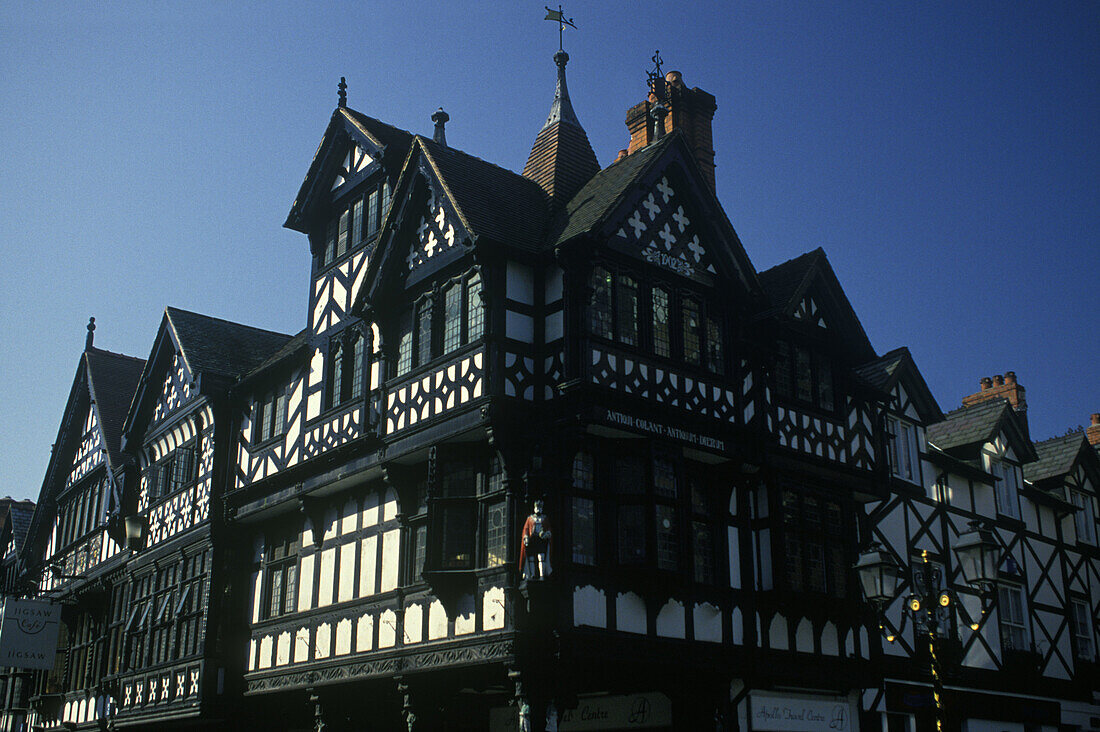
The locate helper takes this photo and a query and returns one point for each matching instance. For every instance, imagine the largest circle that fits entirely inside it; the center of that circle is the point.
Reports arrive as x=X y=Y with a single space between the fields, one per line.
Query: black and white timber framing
x=331 y=522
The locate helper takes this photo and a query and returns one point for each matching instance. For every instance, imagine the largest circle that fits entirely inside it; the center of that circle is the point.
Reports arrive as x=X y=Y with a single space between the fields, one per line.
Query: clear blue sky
x=946 y=155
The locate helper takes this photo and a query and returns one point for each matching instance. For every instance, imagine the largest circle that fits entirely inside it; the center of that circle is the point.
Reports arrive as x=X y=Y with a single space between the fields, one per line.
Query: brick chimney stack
x=1001 y=387
x=1092 y=432
x=690 y=110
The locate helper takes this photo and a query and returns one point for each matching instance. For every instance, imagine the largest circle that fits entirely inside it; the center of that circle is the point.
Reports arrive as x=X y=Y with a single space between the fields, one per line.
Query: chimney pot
x=986 y=382
x=1010 y=377
x=622 y=154
x=999 y=380
x=1094 y=418
x=675 y=78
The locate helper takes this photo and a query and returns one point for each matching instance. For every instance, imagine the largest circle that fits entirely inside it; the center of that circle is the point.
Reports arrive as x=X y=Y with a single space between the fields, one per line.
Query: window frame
x=1009 y=626
x=280 y=571
x=903 y=449
x=1082 y=630
x=1001 y=469
x=352 y=223
x=833 y=579
x=1084 y=516
x=348 y=358
x=822 y=375
x=447 y=335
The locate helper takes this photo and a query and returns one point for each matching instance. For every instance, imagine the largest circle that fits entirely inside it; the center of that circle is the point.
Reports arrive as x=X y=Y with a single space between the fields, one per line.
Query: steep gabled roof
x=113 y=379
x=786 y=284
x=972 y=427
x=17 y=520
x=391 y=141
x=603 y=193
x=491 y=202
x=885 y=372
x=221 y=347
x=1057 y=456
x=298 y=344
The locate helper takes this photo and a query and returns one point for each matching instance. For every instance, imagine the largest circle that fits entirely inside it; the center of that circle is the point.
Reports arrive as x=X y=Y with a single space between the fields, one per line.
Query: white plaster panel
x=387 y=629
x=437 y=621
x=368 y=566
x=734 y=557
x=804 y=636
x=589 y=607
x=331 y=527
x=554 y=325
x=414 y=623
x=364 y=633
x=322 y=644
x=520 y=283
x=347 y=571
x=630 y=614
x=252 y=655
x=492 y=609
x=830 y=645
x=670 y=620
x=305 y=583
x=265 y=652
x=391 y=545
x=465 y=621
x=349 y=520
x=343 y=637
x=370 y=510
x=708 y=623
x=282 y=649
x=389 y=507
x=554 y=288
x=777 y=633
x=327 y=581
x=257 y=593
x=519 y=326
x=301 y=645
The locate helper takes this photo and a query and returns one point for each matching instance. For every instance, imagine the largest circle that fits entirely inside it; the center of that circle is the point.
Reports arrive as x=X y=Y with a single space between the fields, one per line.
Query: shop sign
x=629 y=711
x=28 y=633
x=801 y=713
x=661 y=429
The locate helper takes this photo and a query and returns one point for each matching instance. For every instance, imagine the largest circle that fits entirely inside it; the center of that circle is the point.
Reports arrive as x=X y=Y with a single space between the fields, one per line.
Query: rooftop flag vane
x=562 y=21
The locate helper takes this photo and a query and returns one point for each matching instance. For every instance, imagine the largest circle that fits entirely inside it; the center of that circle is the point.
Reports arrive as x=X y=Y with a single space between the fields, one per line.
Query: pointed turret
x=561 y=160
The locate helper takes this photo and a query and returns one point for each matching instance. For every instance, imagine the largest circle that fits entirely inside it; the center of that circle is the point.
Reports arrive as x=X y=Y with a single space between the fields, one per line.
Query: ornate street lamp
x=879 y=575
x=979 y=555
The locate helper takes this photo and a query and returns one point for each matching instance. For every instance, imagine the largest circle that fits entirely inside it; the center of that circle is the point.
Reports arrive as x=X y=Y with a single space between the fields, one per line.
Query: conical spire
x=561 y=160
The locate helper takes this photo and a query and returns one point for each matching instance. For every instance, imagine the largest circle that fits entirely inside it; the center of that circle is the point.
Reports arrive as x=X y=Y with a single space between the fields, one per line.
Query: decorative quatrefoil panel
x=434 y=236
x=660 y=231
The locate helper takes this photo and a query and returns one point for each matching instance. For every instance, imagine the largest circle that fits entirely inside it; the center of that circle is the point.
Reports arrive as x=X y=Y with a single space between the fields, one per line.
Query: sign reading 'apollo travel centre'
x=28 y=633
x=800 y=714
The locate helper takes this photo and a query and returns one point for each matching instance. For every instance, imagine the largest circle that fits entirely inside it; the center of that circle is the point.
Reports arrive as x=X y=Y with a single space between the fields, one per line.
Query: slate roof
x=114 y=379
x=878 y=373
x=784 y=281
x=1056 y=457
x=297 y=343
x=603 y=193
x=19 y=515
x=968 y=425
x=394 y=139
x=220 y=347
x=493 y=202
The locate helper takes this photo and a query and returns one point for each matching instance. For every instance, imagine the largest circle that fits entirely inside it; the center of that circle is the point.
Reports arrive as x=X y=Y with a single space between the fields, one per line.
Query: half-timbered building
x=550 y=452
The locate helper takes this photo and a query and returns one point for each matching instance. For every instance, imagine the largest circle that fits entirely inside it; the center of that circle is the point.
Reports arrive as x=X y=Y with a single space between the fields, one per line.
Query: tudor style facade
x=333 y=522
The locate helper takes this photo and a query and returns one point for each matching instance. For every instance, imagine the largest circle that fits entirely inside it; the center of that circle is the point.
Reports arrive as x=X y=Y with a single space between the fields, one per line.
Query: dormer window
x=270 y=416
x=443 y=323
x=805 y=375
x=354 y=224
x=1085 y=517
x=1007 y=487
x=904 y=449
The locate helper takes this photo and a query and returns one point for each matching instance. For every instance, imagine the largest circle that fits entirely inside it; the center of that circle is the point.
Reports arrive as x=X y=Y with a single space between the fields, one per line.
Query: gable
x=176 y=391
x=438 y=231
x=356 y=162
x=91 y=451
x=660 y=231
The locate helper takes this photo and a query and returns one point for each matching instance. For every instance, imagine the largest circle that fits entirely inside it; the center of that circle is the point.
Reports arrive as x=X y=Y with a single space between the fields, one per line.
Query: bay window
x=815 y=542
x=280 y=575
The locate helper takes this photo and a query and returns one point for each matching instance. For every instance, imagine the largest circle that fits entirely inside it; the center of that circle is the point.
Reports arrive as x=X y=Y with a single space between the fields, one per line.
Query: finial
x=440 y=118
x=343 y=91
x=91 y=334
x=657 y=77
x=562 y=21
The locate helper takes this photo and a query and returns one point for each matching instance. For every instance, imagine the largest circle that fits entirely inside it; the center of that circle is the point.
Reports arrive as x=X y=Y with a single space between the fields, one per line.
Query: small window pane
x=664 y=478
x=357 y=346
x=704 y=552
x=692 y=332
x=715 y=357
x=496 y=537
x=582 y=471
x=584 y=531
x=668 y=537
x=404 y=350
x=803 y=375
x=627 y=309
x=824 y=383
x=661 y=343
x=424 y=334
x=280 y=413
x=342 y=236
x=357 y=222
x=600 y=303
x=372 y=213
x=330 y=242
x=385 y=199
x=452 y=318
x=629 y=475
x=475 y=312
x=631 y=534
x=337 y=386
x=458 y=536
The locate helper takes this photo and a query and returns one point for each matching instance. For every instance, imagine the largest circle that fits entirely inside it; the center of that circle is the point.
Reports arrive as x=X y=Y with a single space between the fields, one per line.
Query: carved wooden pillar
x=407 y=710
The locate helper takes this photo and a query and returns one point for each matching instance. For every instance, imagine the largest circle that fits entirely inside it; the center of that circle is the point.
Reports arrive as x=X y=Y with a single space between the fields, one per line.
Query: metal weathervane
x=562 y=21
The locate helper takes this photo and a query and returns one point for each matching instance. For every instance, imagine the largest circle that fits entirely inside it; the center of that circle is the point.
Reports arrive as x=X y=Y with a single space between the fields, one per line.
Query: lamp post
x=929 y=604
